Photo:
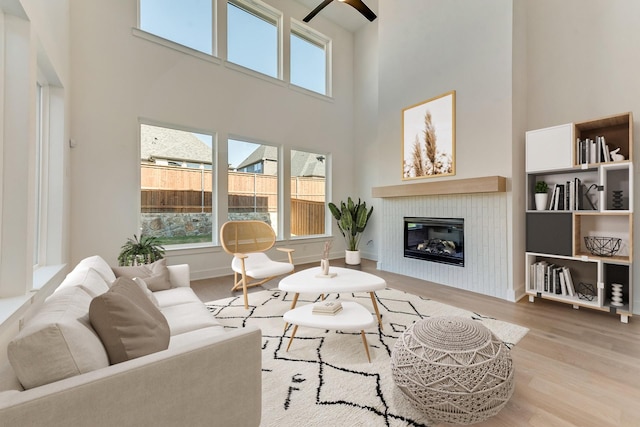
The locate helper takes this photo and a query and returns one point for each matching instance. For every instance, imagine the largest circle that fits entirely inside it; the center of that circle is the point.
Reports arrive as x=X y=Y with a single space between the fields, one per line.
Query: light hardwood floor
x=573 y=368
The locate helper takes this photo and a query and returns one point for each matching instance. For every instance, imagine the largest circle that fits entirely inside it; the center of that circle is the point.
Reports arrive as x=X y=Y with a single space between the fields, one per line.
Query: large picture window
x=252 y=36
x=253 y=182
x=176 y=182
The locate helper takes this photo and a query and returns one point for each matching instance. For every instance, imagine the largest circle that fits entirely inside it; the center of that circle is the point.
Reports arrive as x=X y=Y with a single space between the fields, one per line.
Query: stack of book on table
x=327 y=307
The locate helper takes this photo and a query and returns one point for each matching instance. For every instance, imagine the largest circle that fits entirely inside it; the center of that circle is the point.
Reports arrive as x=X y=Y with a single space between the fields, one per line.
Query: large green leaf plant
x=352 y=219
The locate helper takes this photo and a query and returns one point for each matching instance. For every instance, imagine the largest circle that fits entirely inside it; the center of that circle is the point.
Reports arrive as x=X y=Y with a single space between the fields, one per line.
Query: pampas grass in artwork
x=429 y=138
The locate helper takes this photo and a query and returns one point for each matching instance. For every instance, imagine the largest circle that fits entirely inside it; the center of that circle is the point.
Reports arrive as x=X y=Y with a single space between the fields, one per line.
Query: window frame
x=327 y=187
x=280 y=212
x=214 y=180
x=269 y=14
x=140 y=32
x=41 y=172
x=312 y=36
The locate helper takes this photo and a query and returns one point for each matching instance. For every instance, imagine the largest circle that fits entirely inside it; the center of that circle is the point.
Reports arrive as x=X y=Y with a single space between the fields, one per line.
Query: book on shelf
x=326 y=307
x=592 y=151
x=551 y=278
x=568 y=280
x=563 y=284
x=568 y=196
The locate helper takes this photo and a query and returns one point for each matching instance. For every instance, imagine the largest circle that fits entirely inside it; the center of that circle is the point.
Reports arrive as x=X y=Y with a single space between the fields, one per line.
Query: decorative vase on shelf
x=352 y=257
x=617 y=199
x=324 y=266
x=541 y=201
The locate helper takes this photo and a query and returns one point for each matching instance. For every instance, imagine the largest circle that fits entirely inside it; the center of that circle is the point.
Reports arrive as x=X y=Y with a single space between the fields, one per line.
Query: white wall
x=582 y=63
x=426 y=48
x=515 y=65
x=33 y=36
x=366 y=131
x=119 y=78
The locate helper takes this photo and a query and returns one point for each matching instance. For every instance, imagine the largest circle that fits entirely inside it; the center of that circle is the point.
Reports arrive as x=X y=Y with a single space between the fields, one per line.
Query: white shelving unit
x=601 y=206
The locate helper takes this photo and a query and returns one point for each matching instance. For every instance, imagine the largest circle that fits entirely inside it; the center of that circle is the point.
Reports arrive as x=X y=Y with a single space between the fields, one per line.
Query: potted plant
x=143 y=251
x=352 y=219
x=541 y=195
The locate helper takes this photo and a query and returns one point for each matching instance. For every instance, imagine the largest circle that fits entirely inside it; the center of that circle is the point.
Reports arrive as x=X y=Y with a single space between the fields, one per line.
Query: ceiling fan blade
x=315 y=11
x=362 y=8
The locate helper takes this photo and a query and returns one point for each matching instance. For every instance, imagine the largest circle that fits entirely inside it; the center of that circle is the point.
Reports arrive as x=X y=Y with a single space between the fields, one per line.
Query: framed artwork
x=429 y=138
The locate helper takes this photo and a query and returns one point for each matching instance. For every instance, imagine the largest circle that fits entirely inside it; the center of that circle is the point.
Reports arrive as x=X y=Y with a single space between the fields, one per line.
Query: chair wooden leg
x=366 y=346
x=246 y=296
x=293 y=334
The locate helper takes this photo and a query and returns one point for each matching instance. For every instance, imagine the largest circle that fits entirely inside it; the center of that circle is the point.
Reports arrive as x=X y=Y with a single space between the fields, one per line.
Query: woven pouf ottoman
x=453 y=369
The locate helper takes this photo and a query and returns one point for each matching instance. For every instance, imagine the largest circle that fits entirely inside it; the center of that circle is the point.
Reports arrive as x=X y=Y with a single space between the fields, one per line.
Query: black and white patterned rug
x=325 y=379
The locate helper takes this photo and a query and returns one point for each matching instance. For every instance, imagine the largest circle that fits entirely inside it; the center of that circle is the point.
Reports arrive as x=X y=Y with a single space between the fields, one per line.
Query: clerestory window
x=309 y=58
x=253 y=30
x=187 y=22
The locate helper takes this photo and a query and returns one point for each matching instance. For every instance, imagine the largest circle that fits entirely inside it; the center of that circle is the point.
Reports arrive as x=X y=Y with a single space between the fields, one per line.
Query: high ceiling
x=341 y=13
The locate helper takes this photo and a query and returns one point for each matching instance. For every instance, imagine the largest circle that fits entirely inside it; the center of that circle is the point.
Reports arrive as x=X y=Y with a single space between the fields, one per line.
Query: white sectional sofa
x=60 y=372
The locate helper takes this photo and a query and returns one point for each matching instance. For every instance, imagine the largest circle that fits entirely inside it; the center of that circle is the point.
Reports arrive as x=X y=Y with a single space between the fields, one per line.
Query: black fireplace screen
x=435 y=239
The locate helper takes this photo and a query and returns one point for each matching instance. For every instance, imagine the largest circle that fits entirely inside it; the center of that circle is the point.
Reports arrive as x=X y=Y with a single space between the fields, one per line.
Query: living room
x=515 y=65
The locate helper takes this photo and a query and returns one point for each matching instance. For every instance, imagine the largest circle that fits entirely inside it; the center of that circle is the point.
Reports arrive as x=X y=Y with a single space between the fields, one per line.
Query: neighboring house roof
x=163 y=143
x=308 y=164
x=302 y=163
x=260 y=154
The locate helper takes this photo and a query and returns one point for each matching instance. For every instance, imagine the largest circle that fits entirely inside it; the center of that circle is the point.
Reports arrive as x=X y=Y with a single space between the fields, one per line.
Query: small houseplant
x=541 y=195
x=352 y=219
x=140 y=251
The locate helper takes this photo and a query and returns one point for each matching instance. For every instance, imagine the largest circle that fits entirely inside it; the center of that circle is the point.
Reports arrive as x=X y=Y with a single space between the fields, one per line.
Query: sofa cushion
x=58 y=342
x=155 y=275
x=99 y=264
x=127 y=322
x=188 y=317
x=89 y=279
x=176 y=296
x=198 y=335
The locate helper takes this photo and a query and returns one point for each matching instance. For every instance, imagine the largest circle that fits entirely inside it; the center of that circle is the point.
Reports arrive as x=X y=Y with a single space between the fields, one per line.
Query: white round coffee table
x=352 y=317
x=346 y=280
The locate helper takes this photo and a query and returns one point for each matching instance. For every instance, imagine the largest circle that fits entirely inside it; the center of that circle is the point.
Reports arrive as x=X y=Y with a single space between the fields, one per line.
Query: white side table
x=352 y=317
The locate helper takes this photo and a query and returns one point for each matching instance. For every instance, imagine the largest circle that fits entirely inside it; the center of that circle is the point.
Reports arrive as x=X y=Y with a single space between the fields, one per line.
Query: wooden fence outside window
x=187 y=190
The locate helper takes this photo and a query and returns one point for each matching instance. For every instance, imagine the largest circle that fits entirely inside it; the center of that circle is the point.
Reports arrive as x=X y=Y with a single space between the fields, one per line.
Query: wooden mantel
x=487 y=184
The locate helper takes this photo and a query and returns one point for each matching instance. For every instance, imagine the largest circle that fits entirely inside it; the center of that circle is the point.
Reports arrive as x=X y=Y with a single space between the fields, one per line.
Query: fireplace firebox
x=435 y=239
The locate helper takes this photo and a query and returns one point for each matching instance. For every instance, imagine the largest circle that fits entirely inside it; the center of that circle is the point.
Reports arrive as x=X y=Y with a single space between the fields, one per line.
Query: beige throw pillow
x=127 y=322
x=143 y=285
x=155 y=275
x=58 y=342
